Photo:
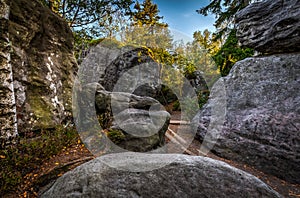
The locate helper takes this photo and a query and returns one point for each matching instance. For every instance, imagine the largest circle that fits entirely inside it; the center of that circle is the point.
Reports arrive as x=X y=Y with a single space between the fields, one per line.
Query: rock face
x=8 y=115
x=184 y=176
x=262 y=121
x=134 y=127
x=107 y=62
x=197 y=81
x=143 y=131
x=271 y=26
x=120 y=101
x=138 y=57
x=262 y=99
x=38 y=67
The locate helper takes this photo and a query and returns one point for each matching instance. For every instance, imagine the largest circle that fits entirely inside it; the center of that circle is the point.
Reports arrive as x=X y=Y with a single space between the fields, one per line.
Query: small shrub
x=18 y=160
x=116 y=136
x=176 y=106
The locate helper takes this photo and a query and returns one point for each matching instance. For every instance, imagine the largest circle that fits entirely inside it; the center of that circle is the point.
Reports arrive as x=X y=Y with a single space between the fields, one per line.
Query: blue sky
x=182 y=17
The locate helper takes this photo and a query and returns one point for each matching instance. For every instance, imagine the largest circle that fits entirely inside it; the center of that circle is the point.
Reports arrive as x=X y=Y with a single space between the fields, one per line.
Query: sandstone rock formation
x=262 y=100
x=138 y=57
x=143 y=130
x=108 y=77
x=122 y=175
x=8 y=116
x=263 y=116
x=120 y=101
x=270 y=26
x=107 y=62
x=38 y=68
x=137 y=128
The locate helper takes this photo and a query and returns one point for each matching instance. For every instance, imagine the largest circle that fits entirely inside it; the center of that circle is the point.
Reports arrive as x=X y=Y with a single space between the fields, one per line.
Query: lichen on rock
x=43 y=65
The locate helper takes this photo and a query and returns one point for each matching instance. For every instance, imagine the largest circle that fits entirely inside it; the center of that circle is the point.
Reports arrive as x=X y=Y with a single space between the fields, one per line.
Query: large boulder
x=121 y=69
x=125 y=175
x=271 y=26
x=142 y=130
x=136 y=123
x=125 y=121
x=262 y=121
x=38 y=68
x=261 y=95
x=136 y=58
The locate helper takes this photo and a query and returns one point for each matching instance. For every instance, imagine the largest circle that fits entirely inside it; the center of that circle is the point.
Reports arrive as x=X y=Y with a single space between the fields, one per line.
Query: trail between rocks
x=76 y=155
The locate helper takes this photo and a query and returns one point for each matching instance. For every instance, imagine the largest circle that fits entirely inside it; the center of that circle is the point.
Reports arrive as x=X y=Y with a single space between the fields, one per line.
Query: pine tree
x=147 y=28
x=147 y=14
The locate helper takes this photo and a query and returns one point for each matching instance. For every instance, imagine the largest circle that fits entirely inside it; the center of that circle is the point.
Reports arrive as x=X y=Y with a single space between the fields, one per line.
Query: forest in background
x=139 y=23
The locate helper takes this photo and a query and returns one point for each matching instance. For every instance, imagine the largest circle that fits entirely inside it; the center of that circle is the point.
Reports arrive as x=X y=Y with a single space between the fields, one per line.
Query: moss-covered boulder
x=40 y=68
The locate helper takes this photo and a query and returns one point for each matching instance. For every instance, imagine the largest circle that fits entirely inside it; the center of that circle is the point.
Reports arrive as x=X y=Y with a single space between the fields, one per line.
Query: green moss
x=116 y=136
x=41 y=109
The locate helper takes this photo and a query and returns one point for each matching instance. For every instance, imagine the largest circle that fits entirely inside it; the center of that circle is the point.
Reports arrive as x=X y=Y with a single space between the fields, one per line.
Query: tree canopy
x=224 y=10
x=230 y=52
x=146 y=27
x=89 y=16
x=147 y=14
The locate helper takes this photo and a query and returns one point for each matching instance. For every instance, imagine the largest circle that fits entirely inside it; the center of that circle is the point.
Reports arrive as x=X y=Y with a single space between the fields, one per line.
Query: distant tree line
x=139 y=23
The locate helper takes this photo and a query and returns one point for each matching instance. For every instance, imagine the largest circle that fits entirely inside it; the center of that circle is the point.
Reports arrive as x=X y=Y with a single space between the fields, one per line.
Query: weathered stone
x=37 y=68
x=8 y=112
x=138 y=123
x=38 y=50
x=262 y=120
x=107 y=62
x=271 y=26
x=197 y=81
x=92 y=68
x=129 y=59
x=143 y=130
x=131 y=122
x=122 y=175
x=119 y=101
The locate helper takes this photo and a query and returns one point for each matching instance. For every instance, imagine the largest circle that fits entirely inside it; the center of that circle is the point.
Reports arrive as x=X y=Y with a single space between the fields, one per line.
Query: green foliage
x=197 y=55
x=203 y=98
x=90 y=19
x=225 y=11
x=189 y=70
x=146 y=28
x=230 y=53
x=87 y=14
x=105 y=120
x=190 y=104
x=18 y=160
x=176 y=106
x=147 y=14
x=54 y=5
